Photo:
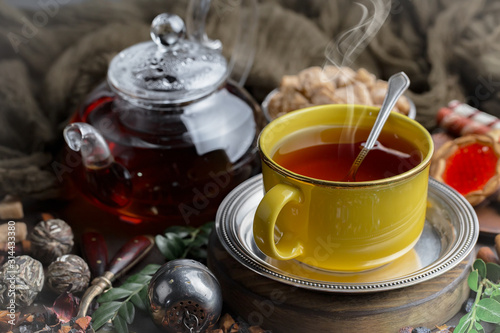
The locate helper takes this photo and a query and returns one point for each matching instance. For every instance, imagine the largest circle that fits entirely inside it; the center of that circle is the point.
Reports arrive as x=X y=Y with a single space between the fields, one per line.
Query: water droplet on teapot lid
x=171 y=69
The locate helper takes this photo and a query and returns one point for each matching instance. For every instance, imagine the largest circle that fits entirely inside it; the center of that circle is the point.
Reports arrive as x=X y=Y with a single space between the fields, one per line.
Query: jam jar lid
x=171 y=69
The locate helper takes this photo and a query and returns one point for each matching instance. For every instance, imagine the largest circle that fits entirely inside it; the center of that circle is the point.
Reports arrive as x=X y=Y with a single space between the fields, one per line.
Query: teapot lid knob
x=170 y=70
x=167 y=30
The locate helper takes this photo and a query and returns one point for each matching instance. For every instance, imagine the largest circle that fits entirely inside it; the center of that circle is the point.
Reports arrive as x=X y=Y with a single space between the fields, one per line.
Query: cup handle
x=265 y=220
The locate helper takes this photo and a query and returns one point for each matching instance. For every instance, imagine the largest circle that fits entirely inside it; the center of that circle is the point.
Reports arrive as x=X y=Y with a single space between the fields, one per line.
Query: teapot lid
x=171 y=69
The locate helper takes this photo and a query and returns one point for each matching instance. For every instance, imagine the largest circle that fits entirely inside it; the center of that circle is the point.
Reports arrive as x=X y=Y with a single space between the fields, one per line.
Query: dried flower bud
x=68 y=273
x=21 y=279
x=51 y=239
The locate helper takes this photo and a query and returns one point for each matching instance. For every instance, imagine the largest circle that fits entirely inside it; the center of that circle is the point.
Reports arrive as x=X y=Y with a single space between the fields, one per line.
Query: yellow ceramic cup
x=340 y=226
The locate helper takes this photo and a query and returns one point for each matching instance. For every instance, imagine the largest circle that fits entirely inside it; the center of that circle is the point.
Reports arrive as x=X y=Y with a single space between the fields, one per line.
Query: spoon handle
x=397 y=85
x=95 y=252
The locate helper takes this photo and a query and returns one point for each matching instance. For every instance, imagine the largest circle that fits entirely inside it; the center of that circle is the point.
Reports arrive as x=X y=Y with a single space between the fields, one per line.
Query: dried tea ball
x=21 y=279
x=68 y=273
x=51 y=239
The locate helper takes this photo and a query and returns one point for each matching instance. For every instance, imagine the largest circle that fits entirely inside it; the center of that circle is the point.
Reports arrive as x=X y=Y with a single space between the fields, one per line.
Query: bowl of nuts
x=330 y=85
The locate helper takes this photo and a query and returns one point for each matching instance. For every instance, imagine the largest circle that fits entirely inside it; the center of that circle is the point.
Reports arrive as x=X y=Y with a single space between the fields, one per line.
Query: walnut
x=365 y=77
x=313 y=79
x=290 y=82
x=324 y=96
x=330 y=85
x=295 y=102
x=345 y=77
x=362 y=94
x=403 y=105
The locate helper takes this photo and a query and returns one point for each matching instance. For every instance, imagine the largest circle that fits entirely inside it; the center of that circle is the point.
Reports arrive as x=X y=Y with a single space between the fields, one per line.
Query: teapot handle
x=244 y=49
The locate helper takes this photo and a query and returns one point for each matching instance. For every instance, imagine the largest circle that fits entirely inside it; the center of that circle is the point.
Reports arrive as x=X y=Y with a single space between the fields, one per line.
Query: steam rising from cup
x=349 y=45
x=342 y=51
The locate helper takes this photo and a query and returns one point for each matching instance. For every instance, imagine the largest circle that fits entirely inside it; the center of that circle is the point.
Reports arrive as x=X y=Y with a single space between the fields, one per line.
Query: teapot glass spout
x=84 y=138
x=108 y=181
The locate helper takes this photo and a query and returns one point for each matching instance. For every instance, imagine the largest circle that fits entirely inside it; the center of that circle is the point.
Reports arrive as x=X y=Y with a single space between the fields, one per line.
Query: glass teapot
x=168 y=136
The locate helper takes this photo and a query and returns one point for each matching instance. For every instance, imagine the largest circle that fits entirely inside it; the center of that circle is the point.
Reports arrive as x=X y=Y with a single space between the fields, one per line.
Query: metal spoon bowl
x=397 y=85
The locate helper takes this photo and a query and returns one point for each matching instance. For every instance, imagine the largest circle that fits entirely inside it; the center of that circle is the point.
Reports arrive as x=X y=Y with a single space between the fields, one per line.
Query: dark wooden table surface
x=82 y=217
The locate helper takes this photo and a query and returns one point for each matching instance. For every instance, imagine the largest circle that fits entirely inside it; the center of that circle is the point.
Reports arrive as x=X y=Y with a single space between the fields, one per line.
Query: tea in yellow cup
x=312 y=214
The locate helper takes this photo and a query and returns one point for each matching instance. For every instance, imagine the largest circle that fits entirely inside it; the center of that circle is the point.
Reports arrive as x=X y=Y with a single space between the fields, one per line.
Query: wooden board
x=284 y=308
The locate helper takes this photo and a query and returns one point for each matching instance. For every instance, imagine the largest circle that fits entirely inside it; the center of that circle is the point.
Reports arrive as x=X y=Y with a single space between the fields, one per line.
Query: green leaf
x=114 y=294
x=200 y=240
x=488 y=310
x=181 y=231
x=478 y=327
x=138 y=302
x=170 y=245
x=473 y=280
x=208 y=227
x=464 y=323
x=133 y=287
x=198 y=253
x=143 y=294
x=141 y=279
x=480 y=266
x=150 y=269
x=497 y=330
x=127 y=312
x=493 y=272
x=104 y=313
x=121 y=313
x=120 y=325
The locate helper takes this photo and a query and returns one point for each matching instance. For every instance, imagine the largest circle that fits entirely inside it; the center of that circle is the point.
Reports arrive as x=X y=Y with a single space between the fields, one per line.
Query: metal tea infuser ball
x=184 y=296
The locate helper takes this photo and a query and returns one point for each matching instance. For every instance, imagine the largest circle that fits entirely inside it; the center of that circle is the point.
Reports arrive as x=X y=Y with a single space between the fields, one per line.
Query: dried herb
x=118 y=304
x=485 y=281
x=185 y=242
x=66 y=306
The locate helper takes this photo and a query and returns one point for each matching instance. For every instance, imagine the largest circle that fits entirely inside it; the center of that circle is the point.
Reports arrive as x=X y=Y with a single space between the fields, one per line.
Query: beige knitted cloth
x=52 y=55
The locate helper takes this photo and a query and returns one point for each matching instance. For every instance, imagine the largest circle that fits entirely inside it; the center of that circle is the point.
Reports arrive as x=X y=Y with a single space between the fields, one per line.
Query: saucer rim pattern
x=467 y=234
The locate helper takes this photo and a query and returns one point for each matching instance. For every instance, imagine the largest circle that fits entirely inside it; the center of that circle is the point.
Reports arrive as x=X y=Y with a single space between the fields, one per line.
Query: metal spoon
x=398 y=83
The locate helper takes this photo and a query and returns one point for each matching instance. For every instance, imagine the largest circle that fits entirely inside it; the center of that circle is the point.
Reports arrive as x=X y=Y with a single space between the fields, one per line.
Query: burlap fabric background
x=53 y=55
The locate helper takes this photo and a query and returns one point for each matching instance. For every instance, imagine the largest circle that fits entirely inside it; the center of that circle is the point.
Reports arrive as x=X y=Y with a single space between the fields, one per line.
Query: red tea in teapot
x=168 y=135
x=161 y=170
x=327 y=153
